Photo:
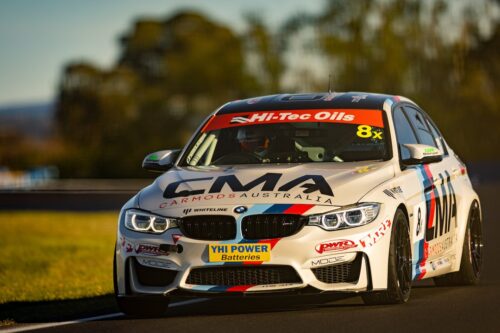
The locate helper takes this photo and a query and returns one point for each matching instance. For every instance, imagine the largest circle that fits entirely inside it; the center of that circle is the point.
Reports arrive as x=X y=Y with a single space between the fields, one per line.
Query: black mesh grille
x=346 y=272
x=209 y=227
x=153 y=277
x=241 y=276
x=271 y=225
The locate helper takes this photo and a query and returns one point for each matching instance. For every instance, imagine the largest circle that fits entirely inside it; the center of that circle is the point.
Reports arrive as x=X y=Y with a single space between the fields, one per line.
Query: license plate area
x=254 y=252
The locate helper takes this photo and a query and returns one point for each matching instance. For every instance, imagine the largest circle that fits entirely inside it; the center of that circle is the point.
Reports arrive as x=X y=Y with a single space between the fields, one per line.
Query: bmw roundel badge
x=240 y=209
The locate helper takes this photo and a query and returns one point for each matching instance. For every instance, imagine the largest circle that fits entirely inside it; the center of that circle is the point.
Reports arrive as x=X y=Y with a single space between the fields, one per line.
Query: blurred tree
x=420 y=50
x=170 y=75
x=265 y=52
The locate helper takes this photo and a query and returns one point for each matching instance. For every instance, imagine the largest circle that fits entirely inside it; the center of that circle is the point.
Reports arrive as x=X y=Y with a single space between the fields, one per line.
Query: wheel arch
x=462 y=226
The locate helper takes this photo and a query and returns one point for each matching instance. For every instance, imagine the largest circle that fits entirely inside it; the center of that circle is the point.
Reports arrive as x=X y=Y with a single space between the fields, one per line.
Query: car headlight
x=141 y=221
x=346 y=217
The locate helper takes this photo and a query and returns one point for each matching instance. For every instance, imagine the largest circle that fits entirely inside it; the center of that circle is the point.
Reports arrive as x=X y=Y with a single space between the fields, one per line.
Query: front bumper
x=349 y=260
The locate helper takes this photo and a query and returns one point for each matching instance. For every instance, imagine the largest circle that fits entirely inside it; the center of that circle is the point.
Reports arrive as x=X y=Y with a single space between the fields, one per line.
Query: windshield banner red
x=344 y=116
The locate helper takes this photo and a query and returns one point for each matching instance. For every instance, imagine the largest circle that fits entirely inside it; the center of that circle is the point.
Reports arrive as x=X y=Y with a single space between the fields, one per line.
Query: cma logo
x=268 y=182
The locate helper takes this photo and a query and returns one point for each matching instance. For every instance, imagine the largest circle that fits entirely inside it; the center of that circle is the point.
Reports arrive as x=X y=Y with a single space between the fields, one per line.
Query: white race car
x=328 y=192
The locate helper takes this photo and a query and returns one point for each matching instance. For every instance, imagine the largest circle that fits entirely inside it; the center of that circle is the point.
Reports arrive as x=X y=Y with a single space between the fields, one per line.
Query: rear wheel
x=472 y=253
x=399 y=270
x=138 y=306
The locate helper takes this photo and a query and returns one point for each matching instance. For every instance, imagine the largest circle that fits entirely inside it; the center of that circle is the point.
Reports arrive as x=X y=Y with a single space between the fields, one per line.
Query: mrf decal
x=269 y=182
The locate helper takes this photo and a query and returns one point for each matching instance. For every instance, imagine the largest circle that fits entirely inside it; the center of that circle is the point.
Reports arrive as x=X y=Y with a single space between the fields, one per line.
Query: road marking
x=55 y=324
x=191 y=301
x=83 y=320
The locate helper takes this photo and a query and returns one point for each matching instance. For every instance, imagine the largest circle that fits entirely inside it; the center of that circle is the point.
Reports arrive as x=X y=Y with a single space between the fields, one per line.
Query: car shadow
x=57 y=310
x=62 y=310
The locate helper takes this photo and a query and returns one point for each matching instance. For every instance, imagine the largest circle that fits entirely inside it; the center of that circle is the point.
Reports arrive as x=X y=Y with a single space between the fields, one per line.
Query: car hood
x=328 y=184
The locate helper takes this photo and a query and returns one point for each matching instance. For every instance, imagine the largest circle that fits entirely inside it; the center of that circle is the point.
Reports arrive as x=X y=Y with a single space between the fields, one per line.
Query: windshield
x=290 y=136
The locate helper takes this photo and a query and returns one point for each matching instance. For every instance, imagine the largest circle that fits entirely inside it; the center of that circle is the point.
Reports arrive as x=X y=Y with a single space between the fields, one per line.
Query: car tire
x=472 y=254
x=399 y=270
x=138 y=306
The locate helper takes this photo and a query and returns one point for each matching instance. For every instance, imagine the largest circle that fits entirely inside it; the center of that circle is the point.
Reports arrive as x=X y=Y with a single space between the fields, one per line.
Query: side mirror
x=422 y=154
x=160 y=161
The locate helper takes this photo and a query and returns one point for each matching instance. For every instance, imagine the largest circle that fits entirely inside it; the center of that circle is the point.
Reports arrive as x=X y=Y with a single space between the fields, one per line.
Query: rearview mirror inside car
x=422 y=154
x=160 y=161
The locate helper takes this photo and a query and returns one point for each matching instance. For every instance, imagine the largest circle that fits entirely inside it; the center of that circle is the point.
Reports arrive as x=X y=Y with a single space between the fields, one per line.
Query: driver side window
x=404 y=133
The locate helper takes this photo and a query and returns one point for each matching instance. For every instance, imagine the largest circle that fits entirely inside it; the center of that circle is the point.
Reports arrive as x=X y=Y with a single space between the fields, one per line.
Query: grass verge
x=49 y=257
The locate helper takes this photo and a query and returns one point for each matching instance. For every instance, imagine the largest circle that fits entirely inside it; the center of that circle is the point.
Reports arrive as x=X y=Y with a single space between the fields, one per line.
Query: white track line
x=191 y=301
x=83 y=320
x=61 y=323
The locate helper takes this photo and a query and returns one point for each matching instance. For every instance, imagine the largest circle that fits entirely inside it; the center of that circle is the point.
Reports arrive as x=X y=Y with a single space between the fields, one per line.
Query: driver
x=253 y=140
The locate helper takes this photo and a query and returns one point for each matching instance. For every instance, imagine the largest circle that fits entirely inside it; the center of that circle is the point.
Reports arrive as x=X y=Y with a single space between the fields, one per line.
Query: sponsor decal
x=153 y=157
x=431 y=151
x=389 y=194
x=240 y=209
x=437 y=248
x=150 y=262
x=419 y=221
x=373 y=237
x=347 y=116
x=364 y=169
x=317 y=199
x=327 y=261
x=444 y=209
x=175 y=238
x=239 y=252
x=147 y=249
x=335 y=245
x=438 y=263
x=357 y=98
x=268 y=183
x=330 y=96
x=393 y=191
x=277 y=285
x=126 y=245
x=441 y=211
x=204 y=210
x=129 y=248
x=150 y=249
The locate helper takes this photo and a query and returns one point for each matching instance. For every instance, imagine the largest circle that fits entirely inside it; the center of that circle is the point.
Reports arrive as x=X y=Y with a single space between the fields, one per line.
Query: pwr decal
x=335 y=245
x=346 y=116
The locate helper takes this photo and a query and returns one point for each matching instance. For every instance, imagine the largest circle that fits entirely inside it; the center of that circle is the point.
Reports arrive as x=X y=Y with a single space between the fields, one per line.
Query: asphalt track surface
x=431 y=309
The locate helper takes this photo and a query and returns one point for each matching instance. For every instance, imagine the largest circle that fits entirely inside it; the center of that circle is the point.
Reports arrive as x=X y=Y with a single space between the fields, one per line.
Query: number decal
x=365 y=132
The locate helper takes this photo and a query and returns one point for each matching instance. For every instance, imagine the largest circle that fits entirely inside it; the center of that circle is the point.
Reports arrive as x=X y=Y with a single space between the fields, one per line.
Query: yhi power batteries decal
x=347 y=116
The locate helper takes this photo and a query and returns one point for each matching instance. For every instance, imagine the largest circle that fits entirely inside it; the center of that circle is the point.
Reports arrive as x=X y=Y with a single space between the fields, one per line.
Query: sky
x=38 y=37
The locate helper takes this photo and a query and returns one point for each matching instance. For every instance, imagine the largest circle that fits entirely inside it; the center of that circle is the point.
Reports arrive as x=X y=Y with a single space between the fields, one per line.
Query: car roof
x=345 y=100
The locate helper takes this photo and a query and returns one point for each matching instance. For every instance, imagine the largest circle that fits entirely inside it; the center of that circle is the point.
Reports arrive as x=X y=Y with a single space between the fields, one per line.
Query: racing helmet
x=252 y=138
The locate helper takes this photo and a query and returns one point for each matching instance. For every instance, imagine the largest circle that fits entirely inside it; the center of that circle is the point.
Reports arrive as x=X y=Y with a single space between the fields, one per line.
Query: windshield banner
x=345 y=116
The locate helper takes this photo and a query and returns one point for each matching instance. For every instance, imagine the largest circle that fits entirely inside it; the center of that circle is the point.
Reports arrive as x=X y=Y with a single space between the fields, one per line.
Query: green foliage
x=402 y=47
x=172 y=73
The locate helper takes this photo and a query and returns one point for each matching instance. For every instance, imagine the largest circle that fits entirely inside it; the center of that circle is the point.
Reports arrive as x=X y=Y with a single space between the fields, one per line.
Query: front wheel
x=138 y=306
x=472 y=254
x=399 y=270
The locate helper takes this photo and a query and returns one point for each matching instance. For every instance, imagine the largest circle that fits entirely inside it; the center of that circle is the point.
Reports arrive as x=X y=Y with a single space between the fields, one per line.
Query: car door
x=440 y=222
x=411 y=182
